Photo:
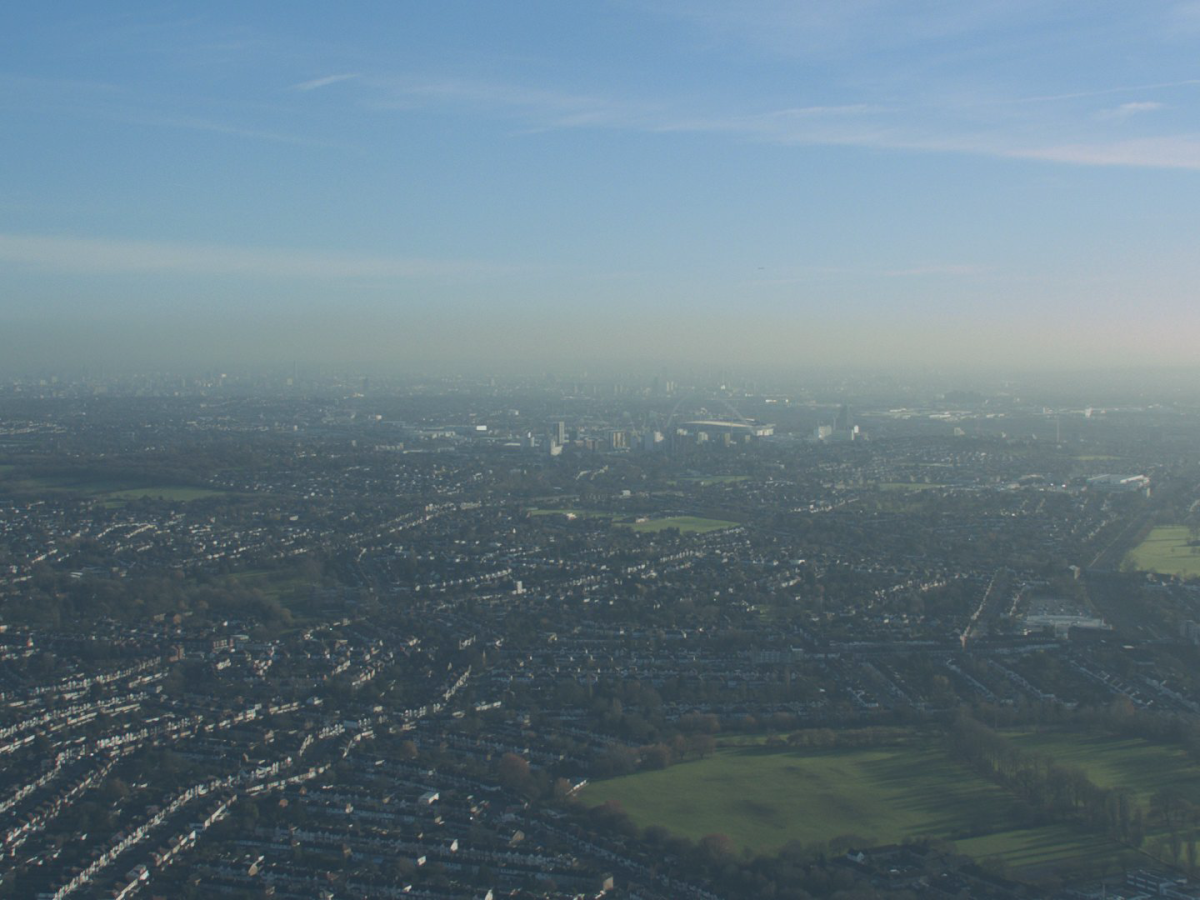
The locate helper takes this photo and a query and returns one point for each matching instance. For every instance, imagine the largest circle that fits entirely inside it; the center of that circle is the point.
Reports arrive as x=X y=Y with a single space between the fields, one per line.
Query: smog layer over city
x=639 y=449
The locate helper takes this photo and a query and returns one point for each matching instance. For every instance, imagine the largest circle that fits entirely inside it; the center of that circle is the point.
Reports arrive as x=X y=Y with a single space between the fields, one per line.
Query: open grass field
x=1032 y=853
x=580 y=513
x=166 y=492
x=275 y=585
x=59 y=486
x=1165 y=550
x=764 y=798
x=706 y=480
x=685 y=524
x=907 y=486
x=109 y=492
x=873 y=497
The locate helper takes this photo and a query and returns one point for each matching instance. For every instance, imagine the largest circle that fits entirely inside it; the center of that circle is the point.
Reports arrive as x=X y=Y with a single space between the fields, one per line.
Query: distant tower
x=842 y=421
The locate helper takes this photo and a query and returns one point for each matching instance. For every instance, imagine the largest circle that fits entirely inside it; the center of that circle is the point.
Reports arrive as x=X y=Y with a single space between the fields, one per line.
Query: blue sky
x=860 y=181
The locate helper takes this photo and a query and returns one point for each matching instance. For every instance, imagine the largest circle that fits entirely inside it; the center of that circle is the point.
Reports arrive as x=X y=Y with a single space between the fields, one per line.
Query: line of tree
x=1120 y=718
x=828 y=738
x=1056 y=791
x=622 y=760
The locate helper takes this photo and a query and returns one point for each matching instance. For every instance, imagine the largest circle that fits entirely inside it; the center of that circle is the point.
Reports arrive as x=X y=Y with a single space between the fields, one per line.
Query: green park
x=766 y=797
x=1167 y=550
x=684 y=524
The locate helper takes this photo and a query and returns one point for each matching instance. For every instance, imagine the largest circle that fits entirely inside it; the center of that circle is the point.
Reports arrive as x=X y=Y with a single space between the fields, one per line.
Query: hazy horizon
x=864 y=184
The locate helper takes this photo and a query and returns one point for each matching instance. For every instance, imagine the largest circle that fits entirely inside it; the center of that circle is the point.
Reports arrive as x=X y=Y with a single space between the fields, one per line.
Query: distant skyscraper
x=842 y=421
x=560 y=433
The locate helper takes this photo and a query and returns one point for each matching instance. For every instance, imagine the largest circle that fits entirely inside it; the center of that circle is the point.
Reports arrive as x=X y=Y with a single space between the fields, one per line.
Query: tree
x=702 y=745
x=717 y=847
x=656 y=756
x=513 y=771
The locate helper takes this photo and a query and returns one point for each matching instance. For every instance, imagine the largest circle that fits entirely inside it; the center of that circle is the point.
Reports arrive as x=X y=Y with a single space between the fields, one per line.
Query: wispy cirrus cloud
x=539 y=107
x=831 y=28
x=1167 y=152
x=786 y=123
x=1103 y=92
x=327 y=80
x=904 y=75
x=1125 y=110
x=926 y=116
x=113 y=256
x=544 y=109
x=134 y=105
x=1065 y=133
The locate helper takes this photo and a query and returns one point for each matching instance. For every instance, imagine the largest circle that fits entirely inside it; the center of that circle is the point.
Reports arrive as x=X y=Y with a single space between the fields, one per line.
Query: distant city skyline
x=824 y=183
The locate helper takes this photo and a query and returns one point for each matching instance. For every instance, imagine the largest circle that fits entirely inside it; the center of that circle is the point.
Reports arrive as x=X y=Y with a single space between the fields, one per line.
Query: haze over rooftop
x=827 y=182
